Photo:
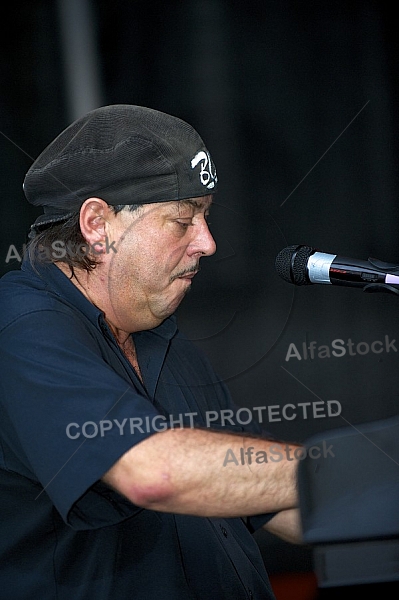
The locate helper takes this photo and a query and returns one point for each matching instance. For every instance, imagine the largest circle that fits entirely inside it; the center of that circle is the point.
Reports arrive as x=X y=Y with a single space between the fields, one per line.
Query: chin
x=174 y=305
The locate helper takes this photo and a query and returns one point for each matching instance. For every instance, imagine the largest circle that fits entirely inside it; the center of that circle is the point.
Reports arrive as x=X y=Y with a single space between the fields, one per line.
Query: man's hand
x=286 y=524
x=187 y=471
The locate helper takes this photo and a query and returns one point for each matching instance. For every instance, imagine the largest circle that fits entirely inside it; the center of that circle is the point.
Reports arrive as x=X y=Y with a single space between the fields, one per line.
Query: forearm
x=192 y=471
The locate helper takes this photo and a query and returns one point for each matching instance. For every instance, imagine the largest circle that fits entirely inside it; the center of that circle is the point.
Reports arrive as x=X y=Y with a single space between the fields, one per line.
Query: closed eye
x=184 y=224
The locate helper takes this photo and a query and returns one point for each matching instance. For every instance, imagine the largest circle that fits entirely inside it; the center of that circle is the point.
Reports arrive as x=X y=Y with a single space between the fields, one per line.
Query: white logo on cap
x=207 y=177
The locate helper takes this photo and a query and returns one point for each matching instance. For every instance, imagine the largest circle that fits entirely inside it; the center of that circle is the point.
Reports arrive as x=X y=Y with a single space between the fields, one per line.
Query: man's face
x=158 y=253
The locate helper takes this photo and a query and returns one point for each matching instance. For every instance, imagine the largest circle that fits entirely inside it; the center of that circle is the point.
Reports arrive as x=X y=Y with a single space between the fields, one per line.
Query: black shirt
x=70 y=406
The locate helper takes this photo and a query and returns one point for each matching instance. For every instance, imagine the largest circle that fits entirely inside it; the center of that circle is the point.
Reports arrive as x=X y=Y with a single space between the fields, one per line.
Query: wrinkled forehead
x=200 y=204
x=176 y=207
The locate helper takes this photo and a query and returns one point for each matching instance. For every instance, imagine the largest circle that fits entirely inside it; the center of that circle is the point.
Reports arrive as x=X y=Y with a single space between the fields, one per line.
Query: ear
x=95 y=217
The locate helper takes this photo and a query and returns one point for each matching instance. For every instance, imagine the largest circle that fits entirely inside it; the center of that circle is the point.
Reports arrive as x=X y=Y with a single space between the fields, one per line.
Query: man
x=111 y=484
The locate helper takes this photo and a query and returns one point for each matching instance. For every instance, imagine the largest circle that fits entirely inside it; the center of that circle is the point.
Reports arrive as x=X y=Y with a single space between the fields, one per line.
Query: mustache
x=193 y=269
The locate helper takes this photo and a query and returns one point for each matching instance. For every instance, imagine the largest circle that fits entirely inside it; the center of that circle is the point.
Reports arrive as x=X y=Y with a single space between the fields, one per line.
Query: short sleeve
x=66 y=414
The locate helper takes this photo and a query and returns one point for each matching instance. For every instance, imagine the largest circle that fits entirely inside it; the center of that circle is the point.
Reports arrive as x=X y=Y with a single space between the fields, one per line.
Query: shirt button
x=250 y=595
x=224 y=531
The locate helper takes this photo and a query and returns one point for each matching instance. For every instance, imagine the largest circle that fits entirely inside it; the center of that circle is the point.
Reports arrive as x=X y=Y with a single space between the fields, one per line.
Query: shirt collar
x=58 y=283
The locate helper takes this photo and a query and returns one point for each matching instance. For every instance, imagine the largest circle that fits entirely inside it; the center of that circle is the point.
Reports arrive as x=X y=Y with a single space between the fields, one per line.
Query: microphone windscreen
x=291 y=264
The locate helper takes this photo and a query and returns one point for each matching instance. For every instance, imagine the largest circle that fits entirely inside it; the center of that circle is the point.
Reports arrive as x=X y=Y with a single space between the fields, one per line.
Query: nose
x=203 y=242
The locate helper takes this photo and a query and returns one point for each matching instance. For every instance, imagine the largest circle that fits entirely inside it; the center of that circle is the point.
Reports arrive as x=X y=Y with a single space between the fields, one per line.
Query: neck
x=87 y=285
x=83 y=281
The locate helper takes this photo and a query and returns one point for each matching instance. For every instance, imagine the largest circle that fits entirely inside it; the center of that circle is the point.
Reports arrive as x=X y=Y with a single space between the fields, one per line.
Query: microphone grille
x=291 y=264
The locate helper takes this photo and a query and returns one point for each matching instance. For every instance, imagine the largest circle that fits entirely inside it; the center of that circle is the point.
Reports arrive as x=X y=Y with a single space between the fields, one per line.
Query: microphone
x=304 y=265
